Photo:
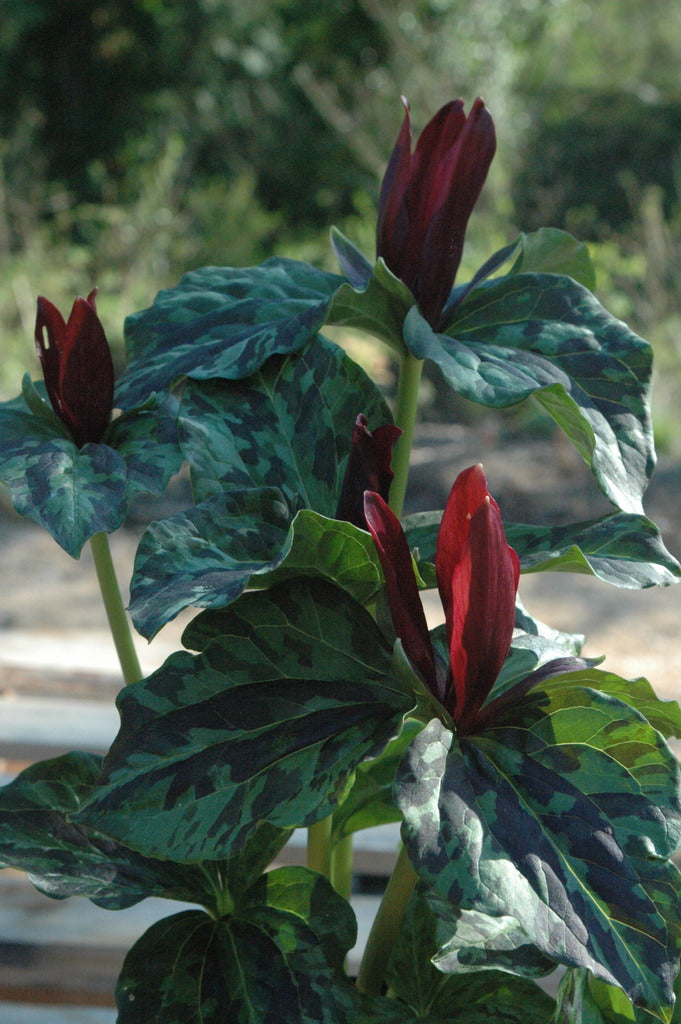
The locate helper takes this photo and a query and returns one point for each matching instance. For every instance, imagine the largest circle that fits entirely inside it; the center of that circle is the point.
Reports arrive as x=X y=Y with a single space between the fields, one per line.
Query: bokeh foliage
x=141 y=138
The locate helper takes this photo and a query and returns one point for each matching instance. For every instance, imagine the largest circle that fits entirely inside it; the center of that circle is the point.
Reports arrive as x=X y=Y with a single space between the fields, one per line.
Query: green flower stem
x=405 y=417
x=319 y=847
x=115 y=612
x=341 y=867
x=385 y=926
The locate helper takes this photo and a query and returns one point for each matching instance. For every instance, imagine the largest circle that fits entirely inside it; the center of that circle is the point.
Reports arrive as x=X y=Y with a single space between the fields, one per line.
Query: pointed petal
x=50 y=321
x=86 y=374
x=483 y=588
x=406 y=609
x=432 y=162
x=465 y=498
x=460 y=181
x=368 y=469
x=392 y=228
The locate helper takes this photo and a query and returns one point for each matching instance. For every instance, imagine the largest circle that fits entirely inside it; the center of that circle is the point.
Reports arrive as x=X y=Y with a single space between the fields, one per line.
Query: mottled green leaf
x=323 y=548
x=76 y=492
x=223 y=322
x=547 y=336
x=586 y=999
x=277 y=958
x=437 y=939
x=622 y=549
x=269 y=722
x=379 y=306
x=663 y=715
x=206 y=556
x=146 y=440
x=560 y=816
x=552 y=251
x=62 y=858
x=370 y=800
x=288 y=426
x=488 y=997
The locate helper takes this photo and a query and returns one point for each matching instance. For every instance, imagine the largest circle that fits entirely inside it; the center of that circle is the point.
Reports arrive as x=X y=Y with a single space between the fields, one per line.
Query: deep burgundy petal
x=483 y=589
x=50 y=322
x=368 y=469
x=86 y=374
x=462 y=176
x=406 y=609
x=392 y=227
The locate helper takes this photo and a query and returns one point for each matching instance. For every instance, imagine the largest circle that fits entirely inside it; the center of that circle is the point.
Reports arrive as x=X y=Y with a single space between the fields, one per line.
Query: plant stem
x=319 y=847
x=385 y=926
x=341 y=867
x=405 y=417
x=115 y=612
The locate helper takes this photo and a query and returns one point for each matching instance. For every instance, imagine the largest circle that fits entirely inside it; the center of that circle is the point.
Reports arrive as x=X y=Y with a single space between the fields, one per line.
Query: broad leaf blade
x=278 y=958
x=560 y=817
x=269 y=722
x=206 y=556
x=38 y=835
x=377 y=305
x=76 y=492
x=552 y=251
x=223 y=322
x=547 y=336
x=622 y=549
x=288 y=426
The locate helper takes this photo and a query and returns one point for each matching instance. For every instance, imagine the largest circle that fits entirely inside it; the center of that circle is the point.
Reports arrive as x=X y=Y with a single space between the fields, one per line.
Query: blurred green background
x=142 y=138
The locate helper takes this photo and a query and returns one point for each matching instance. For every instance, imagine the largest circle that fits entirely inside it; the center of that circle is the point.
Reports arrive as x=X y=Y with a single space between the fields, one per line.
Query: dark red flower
x=427 y=197
x=477 y=574
x=368 y=468
x=77 y=367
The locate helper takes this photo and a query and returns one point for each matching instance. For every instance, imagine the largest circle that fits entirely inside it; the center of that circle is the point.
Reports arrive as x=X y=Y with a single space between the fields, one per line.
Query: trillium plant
x=538 y=801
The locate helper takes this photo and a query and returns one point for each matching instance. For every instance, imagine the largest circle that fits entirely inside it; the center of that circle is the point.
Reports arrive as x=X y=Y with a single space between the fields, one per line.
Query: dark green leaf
x=77 y=492
x=206 y=556
x=663 y=715
x=378 y=307
x=62 y=858
x=278 y=958
x=552 y=251
x=621 y=549
x=327 y=549
x=586 y=999
x=288 y=426
x=547 y=336
x=444 y=960
x=352 y=260
x=560 y=816
x=370 y=801
x=269 y=722
x=223 y=322
x=488 y=997
x=146 y=439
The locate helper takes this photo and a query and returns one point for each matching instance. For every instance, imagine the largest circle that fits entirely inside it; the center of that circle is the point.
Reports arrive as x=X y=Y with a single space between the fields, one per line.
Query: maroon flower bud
x=477 y=574
x=77 y=367
x=368 y=469
x=427 y=197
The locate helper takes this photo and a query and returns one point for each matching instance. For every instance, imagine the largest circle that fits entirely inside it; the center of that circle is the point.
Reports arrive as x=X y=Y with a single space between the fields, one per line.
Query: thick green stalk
x=405 y=417
x=319 y=847
x=385 y=927
x=341 y=867
x=115 y=611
